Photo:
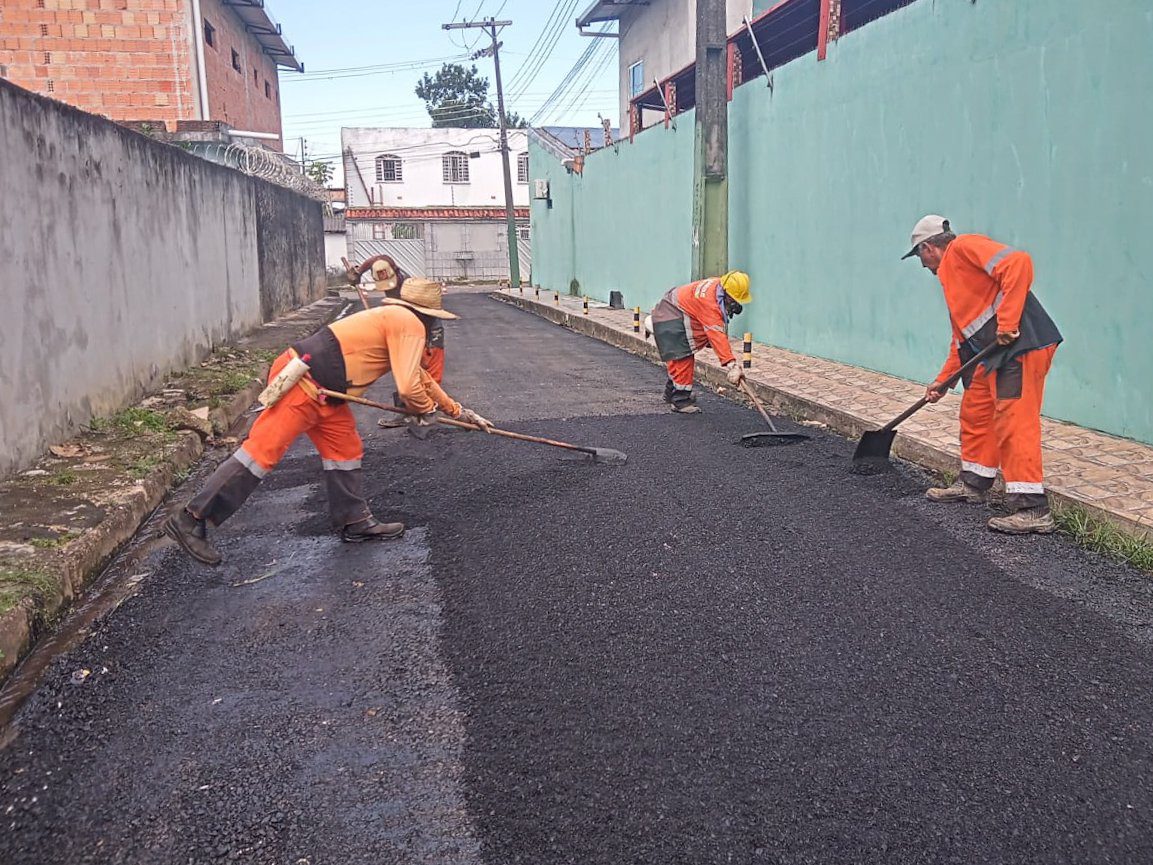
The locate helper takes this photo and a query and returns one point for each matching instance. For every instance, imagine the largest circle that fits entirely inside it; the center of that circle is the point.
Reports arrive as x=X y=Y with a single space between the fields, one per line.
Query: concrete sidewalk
x=1110 y=476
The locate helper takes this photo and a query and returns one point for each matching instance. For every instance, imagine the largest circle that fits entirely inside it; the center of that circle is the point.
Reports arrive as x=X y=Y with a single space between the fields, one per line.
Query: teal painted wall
x=632 y=211
x=1027 y=120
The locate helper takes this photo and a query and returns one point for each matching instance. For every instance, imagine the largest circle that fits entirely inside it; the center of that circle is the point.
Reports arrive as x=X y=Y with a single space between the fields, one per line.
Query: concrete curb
x=905 y=447
x=74 y=566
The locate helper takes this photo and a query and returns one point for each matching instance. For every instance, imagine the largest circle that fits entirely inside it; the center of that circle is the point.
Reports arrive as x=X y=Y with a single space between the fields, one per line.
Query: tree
x=319 y=170
x=512 y=120
x=457 y=97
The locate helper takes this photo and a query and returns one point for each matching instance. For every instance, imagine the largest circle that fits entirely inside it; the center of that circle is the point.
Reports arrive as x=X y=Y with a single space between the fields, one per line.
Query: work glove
x=1008 y=337
x=734 y=373
x=469 y=416
x=420 y=425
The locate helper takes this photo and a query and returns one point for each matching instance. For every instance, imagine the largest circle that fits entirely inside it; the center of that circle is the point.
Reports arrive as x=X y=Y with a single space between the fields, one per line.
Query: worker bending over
x=987 y=289
x=691 y=317
x=347 y=356
x=388 y=278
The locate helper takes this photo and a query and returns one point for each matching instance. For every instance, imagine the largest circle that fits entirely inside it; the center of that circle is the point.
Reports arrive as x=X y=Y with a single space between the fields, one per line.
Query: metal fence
x=445 y=249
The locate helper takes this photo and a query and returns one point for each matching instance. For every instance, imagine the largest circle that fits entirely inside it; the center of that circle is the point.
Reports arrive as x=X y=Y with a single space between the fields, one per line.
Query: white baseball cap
x=926 y=227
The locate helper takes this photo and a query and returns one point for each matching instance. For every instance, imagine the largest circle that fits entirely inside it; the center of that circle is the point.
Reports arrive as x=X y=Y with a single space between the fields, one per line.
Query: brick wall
x=126 y=59
x=238 y=97
x=135 y=60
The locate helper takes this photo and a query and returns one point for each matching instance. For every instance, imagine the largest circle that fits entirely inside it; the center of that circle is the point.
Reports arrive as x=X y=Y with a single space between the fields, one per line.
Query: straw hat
x=423 y=296
x=383 y=276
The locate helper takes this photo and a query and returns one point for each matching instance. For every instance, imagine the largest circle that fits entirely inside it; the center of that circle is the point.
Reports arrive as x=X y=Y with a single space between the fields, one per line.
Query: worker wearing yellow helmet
x=691 y=317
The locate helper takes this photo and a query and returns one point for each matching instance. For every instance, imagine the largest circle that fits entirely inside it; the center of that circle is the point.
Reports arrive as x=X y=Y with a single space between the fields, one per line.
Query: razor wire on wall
x=259 y=162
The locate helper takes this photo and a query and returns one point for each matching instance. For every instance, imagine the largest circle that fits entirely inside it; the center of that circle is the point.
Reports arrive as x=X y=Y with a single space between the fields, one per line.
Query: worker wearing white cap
x=988 y=292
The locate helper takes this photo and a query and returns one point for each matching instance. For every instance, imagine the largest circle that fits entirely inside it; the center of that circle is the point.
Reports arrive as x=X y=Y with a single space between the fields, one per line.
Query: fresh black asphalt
x=709 y=655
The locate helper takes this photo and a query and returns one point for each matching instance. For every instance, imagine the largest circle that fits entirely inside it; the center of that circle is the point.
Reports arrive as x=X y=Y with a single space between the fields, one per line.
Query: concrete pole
x=509 y=207
x=710 y=161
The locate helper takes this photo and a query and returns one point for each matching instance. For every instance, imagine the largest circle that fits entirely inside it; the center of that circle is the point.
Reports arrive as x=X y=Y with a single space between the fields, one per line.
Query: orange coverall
x=364 y=346
x=687 y=319
x=986 y=281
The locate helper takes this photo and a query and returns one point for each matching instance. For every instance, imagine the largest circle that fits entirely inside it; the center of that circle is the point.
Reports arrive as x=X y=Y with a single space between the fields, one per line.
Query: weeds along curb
x=1083 y=520
x=64 y=576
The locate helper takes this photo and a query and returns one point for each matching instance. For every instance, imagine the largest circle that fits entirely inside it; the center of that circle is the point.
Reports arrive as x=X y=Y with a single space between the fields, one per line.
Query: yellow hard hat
x=736 y=285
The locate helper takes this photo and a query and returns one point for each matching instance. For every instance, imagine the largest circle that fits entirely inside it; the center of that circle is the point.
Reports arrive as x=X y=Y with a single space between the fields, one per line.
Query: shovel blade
x=872 y=452
x=771 y=439
x=609 y=457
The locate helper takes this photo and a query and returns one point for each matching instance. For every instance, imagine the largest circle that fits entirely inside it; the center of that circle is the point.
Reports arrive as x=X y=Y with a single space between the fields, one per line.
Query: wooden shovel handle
x=460 y=424
x=757 y=402
x=948 y=384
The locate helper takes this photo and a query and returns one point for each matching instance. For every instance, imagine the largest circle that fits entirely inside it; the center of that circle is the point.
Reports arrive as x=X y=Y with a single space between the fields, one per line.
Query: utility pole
x=490 y=26
x=710 y=155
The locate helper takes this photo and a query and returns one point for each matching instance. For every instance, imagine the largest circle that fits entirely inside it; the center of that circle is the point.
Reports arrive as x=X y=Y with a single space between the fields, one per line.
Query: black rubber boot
x=192 y=536
x=371 y=530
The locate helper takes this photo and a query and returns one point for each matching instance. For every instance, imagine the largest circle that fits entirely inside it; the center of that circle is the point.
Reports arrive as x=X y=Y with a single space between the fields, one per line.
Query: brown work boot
x=1028 y=521
x=371 y=530
x=192 y=536
x=958 y=492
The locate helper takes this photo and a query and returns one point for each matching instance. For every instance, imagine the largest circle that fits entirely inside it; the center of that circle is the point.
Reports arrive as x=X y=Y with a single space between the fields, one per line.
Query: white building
x=434 y=200
x=657 y=40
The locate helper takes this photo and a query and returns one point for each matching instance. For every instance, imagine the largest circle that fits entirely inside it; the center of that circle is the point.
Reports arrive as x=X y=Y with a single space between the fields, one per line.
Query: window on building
x=637 y=79
x=454 y=167
x=235 y=60
x=388 y=169
x=522 y=168
x=407 y=231
x=379 y=231
x=524 y=232
x=267 y=90
x=209 y=34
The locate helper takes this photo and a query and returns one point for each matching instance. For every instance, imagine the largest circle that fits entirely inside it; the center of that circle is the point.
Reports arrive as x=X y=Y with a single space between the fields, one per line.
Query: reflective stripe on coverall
x=687 y=319
x=371 y=344
x=987 y=289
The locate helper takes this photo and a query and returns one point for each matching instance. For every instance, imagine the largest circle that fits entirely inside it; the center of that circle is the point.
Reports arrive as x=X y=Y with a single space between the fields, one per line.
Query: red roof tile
x=432 y=213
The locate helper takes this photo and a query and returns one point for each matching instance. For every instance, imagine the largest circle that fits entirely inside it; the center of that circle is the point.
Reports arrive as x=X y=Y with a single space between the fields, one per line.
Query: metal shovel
x=773 y=436
x=872 y=454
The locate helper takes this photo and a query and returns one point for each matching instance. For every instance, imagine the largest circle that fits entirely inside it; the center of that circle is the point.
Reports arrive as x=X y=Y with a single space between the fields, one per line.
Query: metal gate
x=404 y=241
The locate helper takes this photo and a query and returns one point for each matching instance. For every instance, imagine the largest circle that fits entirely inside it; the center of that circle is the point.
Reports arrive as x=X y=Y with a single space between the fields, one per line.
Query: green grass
x=132 y=421
x=64 y=478
x=52 y=543
x=144 y=466
x=21 y=582
x=1101 y=536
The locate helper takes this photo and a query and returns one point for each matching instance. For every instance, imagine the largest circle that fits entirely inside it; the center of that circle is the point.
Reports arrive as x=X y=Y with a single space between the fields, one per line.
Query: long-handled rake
x=603 y=456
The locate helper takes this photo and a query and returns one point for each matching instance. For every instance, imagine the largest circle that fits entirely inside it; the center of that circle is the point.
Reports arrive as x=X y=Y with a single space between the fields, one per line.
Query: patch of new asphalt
x=711 y=654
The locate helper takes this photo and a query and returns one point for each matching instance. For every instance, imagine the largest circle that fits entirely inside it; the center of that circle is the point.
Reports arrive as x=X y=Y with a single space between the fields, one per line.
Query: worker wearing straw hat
x=347 y=356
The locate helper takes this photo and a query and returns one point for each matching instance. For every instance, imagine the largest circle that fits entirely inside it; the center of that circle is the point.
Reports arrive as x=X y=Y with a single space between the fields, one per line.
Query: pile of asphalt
x=710 y=654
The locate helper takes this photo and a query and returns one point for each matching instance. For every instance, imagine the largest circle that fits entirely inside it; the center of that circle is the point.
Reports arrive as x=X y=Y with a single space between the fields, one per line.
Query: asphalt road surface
x=709 y=655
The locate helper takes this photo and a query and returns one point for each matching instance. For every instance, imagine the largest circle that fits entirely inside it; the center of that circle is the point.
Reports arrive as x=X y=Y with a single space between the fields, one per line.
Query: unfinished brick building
x=156 y=61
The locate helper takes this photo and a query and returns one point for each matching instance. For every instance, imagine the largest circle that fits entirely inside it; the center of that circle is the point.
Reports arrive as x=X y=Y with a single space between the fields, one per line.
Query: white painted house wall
x=422 y=183
x=663 y=35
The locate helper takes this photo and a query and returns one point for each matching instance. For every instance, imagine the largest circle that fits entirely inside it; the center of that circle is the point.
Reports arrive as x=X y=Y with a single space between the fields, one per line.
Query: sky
x=363 y=59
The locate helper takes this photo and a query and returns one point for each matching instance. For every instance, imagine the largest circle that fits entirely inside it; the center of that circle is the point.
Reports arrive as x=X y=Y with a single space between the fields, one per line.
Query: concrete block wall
x=122 y=259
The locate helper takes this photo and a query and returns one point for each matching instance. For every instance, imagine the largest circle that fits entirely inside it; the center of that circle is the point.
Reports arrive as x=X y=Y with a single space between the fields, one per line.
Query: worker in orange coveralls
x=693 y=316
x=387 y=278
x=987 y=290
x=348 y=356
